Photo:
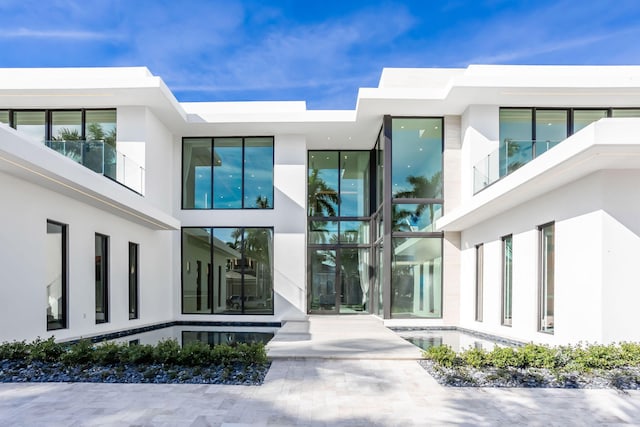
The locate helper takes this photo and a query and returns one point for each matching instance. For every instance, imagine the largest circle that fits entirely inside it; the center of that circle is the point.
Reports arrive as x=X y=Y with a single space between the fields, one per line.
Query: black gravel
x=238 y=374
x=465 y=376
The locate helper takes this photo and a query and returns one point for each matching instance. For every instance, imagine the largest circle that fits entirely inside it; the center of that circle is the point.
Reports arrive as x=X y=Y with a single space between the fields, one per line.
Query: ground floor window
x=507 y=279
x=102 y=278
x=133 y=280
x=56 y=275
x=227 y=270
x=416 y=277
x=479 y=280
x=546 y=271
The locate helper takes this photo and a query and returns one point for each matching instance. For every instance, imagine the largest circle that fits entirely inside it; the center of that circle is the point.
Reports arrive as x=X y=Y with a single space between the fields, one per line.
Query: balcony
x=104 y=159
x=512 y=155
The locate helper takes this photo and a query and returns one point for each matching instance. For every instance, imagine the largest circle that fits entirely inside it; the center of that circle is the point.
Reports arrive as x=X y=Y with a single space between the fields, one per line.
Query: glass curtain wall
x=416 y=203
x=227 y=270
x=32 y=124
x=338 y=209
x=56 y=275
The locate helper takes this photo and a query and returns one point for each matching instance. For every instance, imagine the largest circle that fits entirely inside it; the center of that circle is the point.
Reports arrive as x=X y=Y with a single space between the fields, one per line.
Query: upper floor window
x=416 y=173
x=45 y=126
x=227 y=173
x=338 y=184
x=525 y=133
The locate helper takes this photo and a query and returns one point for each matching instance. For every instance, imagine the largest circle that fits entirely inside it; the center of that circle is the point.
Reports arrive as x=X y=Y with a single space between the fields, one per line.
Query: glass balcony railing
x=511 y=156
x=104 y=159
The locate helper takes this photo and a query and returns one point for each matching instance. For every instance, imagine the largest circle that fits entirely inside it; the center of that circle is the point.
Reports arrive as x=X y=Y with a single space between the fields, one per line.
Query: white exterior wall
x=287 y=218
x=26 y=209
x=577 y=211
x=621 y=255
x=480 y=137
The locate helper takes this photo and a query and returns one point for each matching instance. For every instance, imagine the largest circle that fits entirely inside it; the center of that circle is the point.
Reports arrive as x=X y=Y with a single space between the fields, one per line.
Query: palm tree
x=322 y=199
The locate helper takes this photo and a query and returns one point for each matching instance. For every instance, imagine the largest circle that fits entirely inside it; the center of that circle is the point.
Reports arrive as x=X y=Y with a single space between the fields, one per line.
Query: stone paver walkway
x=314 y=392
x=340 y=337
x=330 y=390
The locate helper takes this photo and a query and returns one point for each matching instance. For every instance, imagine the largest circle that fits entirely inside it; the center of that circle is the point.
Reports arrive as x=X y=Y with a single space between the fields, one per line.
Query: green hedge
x=166 y=352
x=578 y=358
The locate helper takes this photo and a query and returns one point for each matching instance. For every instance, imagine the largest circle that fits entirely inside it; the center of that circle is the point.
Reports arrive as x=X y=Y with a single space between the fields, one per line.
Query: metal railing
x=104 y=159
x=506 y=159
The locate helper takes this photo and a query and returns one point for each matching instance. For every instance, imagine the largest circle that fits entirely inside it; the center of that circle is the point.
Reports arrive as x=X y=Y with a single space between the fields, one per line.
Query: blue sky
x=318 y=51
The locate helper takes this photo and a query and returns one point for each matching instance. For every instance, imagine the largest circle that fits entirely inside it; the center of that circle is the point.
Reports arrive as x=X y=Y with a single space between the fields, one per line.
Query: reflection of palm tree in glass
x=322 y=198
x=512 y=148
x=422 y=187
x=262 y=202
x=71 y=150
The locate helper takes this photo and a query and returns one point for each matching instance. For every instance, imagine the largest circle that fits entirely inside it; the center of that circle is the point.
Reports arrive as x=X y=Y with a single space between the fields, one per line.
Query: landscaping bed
x=591 y=366
x=166 y=362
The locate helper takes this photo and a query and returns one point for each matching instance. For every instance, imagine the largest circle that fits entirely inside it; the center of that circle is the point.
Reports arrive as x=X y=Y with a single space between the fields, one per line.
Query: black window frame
x=64 y=324
x=134 y=280
x=104 y=278
x=212 y=138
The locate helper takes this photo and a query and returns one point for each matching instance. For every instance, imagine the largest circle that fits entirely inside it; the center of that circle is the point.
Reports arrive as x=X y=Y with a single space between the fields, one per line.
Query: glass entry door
x=339 y=280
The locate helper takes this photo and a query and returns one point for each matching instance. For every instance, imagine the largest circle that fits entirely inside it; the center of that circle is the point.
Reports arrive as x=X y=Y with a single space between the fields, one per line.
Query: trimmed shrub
x=442 y=355
x=475 y=357
x=167 y=351
x=80 y=353
x=15 y=350
x=109 y=353
x=195 y=354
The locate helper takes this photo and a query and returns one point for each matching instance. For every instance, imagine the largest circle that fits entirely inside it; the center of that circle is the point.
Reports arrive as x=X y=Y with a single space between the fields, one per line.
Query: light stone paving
x=317 y=391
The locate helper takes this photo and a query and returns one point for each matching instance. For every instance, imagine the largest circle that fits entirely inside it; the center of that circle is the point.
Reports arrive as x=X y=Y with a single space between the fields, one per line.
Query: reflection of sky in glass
x=354 y=184
x=202 y=187
x=227 y=177
x=416 y=150
x=327 y=165
x=515 y=126
x=258 y=177
x=409 y=217
x=226 y=234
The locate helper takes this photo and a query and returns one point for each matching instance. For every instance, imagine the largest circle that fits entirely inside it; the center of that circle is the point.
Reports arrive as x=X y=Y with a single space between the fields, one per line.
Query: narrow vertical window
x=56 y=275
x=479 y=280
x=102 y=278
x=546 y=273
x=133 y=280
x=507 y=279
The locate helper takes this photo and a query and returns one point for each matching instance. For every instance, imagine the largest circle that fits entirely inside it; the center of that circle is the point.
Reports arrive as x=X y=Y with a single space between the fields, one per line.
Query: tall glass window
x=416 y=277
x=516 y=139
x=4 y=116
x=227 y=173
x=102 y=278
x=583 y=118
x=323 y=183
x=546 y=273
x=227 y=270
x=507 y=280
x=416 y=158
x=258 y=173
x=100 y=125
x=133 y=281
x=625 y=112
x=56 y=275
x=479 y=281
x=551 y=128
x=31 y=123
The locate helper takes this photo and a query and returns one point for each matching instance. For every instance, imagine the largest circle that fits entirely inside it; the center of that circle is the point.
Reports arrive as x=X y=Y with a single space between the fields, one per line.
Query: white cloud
x=54 y=34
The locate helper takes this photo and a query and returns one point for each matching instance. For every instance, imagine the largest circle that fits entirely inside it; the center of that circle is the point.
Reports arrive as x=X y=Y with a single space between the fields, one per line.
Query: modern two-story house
x=499 y=199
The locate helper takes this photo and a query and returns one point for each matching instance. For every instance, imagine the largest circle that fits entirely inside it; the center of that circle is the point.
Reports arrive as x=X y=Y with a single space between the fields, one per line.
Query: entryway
x=339 y=280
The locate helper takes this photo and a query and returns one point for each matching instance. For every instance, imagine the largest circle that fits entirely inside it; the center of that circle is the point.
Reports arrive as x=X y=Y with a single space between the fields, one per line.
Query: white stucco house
x=499 y=199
